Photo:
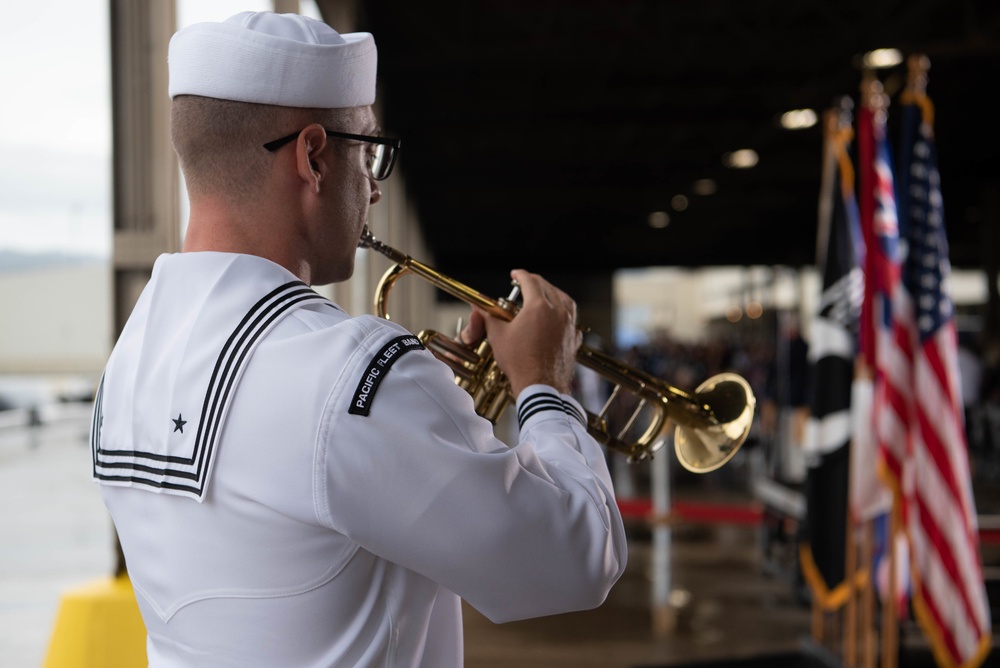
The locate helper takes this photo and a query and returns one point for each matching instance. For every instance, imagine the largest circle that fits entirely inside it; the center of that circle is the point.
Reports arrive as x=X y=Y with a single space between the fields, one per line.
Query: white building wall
x=682 y=302
x=55 y=320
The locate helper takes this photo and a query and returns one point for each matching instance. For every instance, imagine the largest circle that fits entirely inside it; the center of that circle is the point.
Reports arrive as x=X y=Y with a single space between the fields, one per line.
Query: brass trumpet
x=712 y=422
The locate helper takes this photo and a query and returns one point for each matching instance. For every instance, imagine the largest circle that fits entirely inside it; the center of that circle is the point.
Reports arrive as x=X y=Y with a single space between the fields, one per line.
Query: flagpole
x=837 y=122
x=868 y=598
x=874 y=99
x=825 y=216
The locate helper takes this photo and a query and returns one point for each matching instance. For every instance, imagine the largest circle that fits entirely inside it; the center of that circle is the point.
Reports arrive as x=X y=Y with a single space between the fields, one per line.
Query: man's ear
x=309 y=161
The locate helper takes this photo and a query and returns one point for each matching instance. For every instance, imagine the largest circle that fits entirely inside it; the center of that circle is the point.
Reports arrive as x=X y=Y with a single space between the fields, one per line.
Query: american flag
x=939 y=511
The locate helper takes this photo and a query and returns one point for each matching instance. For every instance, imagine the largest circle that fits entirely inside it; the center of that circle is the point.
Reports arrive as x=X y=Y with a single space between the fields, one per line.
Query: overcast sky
x=55 y=120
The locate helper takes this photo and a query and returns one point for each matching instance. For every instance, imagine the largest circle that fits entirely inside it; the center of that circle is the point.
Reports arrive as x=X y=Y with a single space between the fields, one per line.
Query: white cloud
x=56 y=76
x=55 y=127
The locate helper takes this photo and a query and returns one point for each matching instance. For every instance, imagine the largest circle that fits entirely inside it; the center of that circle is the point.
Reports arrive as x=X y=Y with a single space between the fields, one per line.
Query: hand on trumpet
x=539 y=345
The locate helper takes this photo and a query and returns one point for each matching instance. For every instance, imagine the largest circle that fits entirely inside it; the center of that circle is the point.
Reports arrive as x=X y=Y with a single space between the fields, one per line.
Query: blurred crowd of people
x=979 y=366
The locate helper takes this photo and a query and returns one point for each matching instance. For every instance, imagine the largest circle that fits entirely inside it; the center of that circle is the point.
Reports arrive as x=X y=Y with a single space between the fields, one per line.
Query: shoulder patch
x=378 y=367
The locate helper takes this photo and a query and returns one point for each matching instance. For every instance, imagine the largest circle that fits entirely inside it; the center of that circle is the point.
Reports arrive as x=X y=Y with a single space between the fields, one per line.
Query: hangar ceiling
x=543 y=133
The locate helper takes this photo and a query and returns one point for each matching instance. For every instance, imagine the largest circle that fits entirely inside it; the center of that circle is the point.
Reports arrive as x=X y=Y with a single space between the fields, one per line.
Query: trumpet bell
x=704 y=446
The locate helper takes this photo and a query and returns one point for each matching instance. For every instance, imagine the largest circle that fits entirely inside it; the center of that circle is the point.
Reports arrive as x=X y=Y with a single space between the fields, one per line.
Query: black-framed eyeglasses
x=380 y=161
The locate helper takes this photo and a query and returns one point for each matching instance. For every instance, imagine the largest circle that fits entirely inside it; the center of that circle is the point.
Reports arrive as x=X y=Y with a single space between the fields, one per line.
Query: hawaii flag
x=884 y=335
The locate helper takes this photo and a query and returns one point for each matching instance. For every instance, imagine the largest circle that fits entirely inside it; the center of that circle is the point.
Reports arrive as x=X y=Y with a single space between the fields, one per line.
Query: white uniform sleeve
x=421 y=481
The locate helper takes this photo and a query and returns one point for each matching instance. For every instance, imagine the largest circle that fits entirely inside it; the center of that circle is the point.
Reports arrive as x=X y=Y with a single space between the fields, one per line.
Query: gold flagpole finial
x=838 y=120
x=873 y=92
x=845 y=112
x=917 y=66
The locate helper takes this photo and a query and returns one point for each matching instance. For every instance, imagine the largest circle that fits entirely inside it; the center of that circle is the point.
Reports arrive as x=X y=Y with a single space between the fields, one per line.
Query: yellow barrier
x=98 y=626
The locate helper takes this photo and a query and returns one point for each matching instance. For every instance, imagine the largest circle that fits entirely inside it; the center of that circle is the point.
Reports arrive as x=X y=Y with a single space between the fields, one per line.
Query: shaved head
x=220 y=142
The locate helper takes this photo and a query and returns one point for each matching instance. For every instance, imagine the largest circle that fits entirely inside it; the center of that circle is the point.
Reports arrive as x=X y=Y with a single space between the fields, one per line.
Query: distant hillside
x=14 y=261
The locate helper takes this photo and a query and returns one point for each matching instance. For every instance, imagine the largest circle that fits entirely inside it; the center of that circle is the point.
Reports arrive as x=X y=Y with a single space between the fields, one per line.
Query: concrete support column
x=145 y=178
x=286 y=6
x=145 y=174
x=341 y=14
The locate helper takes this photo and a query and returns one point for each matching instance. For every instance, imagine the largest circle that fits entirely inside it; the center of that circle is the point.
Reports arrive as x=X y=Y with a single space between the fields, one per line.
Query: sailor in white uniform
x=293 y=486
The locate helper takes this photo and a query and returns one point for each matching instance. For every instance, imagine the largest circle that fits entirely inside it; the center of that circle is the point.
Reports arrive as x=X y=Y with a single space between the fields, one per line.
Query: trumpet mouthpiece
x=367 y=239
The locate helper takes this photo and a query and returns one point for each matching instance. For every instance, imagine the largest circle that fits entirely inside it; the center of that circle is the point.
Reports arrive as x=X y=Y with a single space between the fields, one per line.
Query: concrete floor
x=54 y=531
x=734 y=612
x=55 y=535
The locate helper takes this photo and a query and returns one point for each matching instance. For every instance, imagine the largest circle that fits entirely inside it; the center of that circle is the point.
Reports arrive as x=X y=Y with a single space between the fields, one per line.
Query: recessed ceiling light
x=882 y=58
x=798 y=119
x=745 y=158
x=679 y=202
x=659 y=219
